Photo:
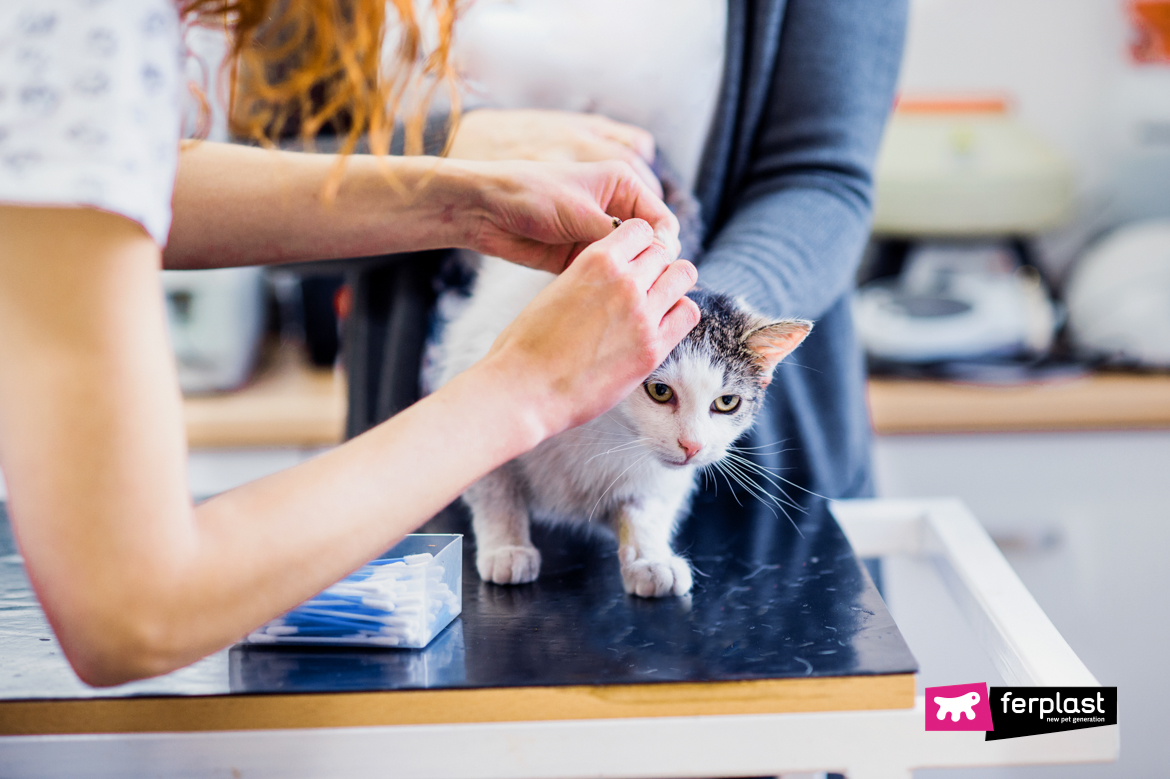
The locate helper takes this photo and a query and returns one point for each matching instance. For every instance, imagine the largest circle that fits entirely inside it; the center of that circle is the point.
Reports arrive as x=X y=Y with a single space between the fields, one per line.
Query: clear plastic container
x=403 y=599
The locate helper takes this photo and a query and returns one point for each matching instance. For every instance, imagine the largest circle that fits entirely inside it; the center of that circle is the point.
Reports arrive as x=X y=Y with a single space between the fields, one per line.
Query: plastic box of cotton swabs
x=403 y=599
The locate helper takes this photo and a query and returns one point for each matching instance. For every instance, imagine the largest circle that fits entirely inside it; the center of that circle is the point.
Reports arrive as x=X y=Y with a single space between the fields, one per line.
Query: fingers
x=626 y=242
x=599 y=147
x=643 y=170
x=641 y=141
x=648 y=266
x=569 y=207
x=670 y=287
x=650 y=208
x=679 y=320
x=632 y=199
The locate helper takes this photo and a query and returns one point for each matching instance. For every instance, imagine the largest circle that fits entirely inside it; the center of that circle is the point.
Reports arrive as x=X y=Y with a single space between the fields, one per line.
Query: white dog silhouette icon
x=962 y=704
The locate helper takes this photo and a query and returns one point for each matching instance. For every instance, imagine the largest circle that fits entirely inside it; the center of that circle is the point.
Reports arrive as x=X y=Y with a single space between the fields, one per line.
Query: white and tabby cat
x=633 y=468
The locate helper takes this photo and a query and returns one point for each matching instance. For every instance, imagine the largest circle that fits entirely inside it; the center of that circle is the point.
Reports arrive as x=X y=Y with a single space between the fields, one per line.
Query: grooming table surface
x=780 y=620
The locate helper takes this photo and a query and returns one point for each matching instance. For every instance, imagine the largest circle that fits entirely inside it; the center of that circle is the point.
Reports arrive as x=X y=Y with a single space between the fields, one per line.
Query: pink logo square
x=958 y=707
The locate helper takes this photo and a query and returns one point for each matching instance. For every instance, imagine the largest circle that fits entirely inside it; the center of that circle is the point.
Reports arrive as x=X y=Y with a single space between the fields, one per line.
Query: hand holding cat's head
x=707 y=392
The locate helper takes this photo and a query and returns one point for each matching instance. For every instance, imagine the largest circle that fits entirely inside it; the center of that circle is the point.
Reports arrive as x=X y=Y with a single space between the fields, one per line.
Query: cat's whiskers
x=613 y=418
x=729 y=475
x=768 y=474
x=616 y=439
x=776 y=474
x=715 y=467
x=768 y=500
x=615 y=481
x=760 y=449
x=703 y=472
x=593 y=432
x=621 y=448
x=729 y=467
x=595 y=438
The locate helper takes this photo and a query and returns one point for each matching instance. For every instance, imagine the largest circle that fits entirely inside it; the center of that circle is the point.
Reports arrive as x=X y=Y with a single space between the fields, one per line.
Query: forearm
x=791 y=253
x=284 y=538
x=167 y=584
x=134 y=580
x=236 y=205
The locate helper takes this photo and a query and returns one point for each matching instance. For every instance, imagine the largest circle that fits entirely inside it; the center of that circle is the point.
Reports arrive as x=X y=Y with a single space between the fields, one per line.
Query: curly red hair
x=306 y=65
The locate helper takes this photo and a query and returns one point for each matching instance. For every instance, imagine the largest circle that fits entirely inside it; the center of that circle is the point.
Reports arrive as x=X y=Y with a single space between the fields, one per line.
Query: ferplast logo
x=1011 y=712
x=1028 y=711
x=958 y=707
x=1087 y=708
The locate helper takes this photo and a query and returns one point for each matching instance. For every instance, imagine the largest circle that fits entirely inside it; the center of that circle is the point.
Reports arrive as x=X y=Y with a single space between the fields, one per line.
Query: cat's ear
x=775 y=341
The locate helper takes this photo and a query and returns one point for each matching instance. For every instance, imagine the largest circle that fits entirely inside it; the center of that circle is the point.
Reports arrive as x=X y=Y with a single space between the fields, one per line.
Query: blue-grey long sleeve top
x=786 y=187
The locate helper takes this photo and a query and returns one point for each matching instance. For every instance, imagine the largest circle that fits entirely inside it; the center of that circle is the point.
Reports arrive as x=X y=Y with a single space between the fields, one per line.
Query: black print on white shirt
x=92 y=83
x=152 y=78
x=32 y=59
x=37 y=23
x=40 y=98
x=20 y=161
x=86 y=135
x=102 y=42
x=154 y=24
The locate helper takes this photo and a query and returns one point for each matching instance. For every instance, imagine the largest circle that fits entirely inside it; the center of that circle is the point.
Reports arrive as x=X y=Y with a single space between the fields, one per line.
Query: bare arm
x=542 y=134
x=134 y=579
x=236 y=205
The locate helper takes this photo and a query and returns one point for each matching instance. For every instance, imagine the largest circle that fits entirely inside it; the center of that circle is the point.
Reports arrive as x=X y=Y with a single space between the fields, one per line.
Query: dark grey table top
x=770 y=602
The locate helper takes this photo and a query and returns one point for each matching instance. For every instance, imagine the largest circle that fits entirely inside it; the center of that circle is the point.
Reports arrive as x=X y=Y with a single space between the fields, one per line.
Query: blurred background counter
x=288 y=403
x=291 y=403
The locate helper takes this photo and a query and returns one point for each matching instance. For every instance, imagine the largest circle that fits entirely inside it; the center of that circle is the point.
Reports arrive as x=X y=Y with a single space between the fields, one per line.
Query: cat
x=634 y=467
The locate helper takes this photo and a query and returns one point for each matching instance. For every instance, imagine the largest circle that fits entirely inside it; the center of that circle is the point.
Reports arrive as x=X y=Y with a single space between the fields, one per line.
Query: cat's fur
x=628 y=468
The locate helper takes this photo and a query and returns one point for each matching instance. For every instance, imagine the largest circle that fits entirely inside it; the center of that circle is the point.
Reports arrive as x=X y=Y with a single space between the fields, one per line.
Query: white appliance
x=956 y=302
x=216 y=322
x=963 y=185
x=1119 y=296
x=967 y=168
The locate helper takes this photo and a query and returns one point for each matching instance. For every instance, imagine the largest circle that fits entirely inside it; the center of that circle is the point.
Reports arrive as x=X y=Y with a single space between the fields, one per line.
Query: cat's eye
x=725 y=404
x=659 y=391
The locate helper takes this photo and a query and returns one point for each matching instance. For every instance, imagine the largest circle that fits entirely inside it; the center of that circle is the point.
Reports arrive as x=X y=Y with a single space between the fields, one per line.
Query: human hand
x=595 y=333
x=553 y=136
x=543 y=214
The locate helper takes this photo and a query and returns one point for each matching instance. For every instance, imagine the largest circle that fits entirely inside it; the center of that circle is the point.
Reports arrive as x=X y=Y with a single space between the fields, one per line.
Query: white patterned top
x=90 y=106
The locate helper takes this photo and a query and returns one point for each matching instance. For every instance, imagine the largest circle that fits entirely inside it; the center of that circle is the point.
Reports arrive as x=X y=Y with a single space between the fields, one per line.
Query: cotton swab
x=393 y=601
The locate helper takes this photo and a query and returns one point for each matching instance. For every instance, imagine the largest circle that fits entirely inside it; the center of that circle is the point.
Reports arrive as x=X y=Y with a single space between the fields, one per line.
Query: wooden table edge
x=1097 y=402
x=243 y=712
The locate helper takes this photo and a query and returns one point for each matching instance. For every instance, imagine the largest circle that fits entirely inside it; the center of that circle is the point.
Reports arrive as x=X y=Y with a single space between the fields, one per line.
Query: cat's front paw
x=655 y=578
x=508 y=564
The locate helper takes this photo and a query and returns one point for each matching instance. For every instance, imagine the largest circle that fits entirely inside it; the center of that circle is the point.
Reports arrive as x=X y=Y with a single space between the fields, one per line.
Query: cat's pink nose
x=690 y=447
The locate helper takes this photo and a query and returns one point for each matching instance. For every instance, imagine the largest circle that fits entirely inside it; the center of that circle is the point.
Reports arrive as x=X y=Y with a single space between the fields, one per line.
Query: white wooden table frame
x=1013 y=630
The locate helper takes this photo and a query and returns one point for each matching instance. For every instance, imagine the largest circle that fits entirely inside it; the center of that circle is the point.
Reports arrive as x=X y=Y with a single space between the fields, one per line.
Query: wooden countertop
x=1107 y=401
x=289 y=404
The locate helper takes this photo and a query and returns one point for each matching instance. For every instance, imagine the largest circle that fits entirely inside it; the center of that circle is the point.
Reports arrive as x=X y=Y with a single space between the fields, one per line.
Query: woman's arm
x=553 y=136
x=134 y=579
x=793 y=227
x=237 y=205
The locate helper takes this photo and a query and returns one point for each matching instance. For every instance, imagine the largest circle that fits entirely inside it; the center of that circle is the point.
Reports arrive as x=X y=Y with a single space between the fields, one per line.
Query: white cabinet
x=1084 y=518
